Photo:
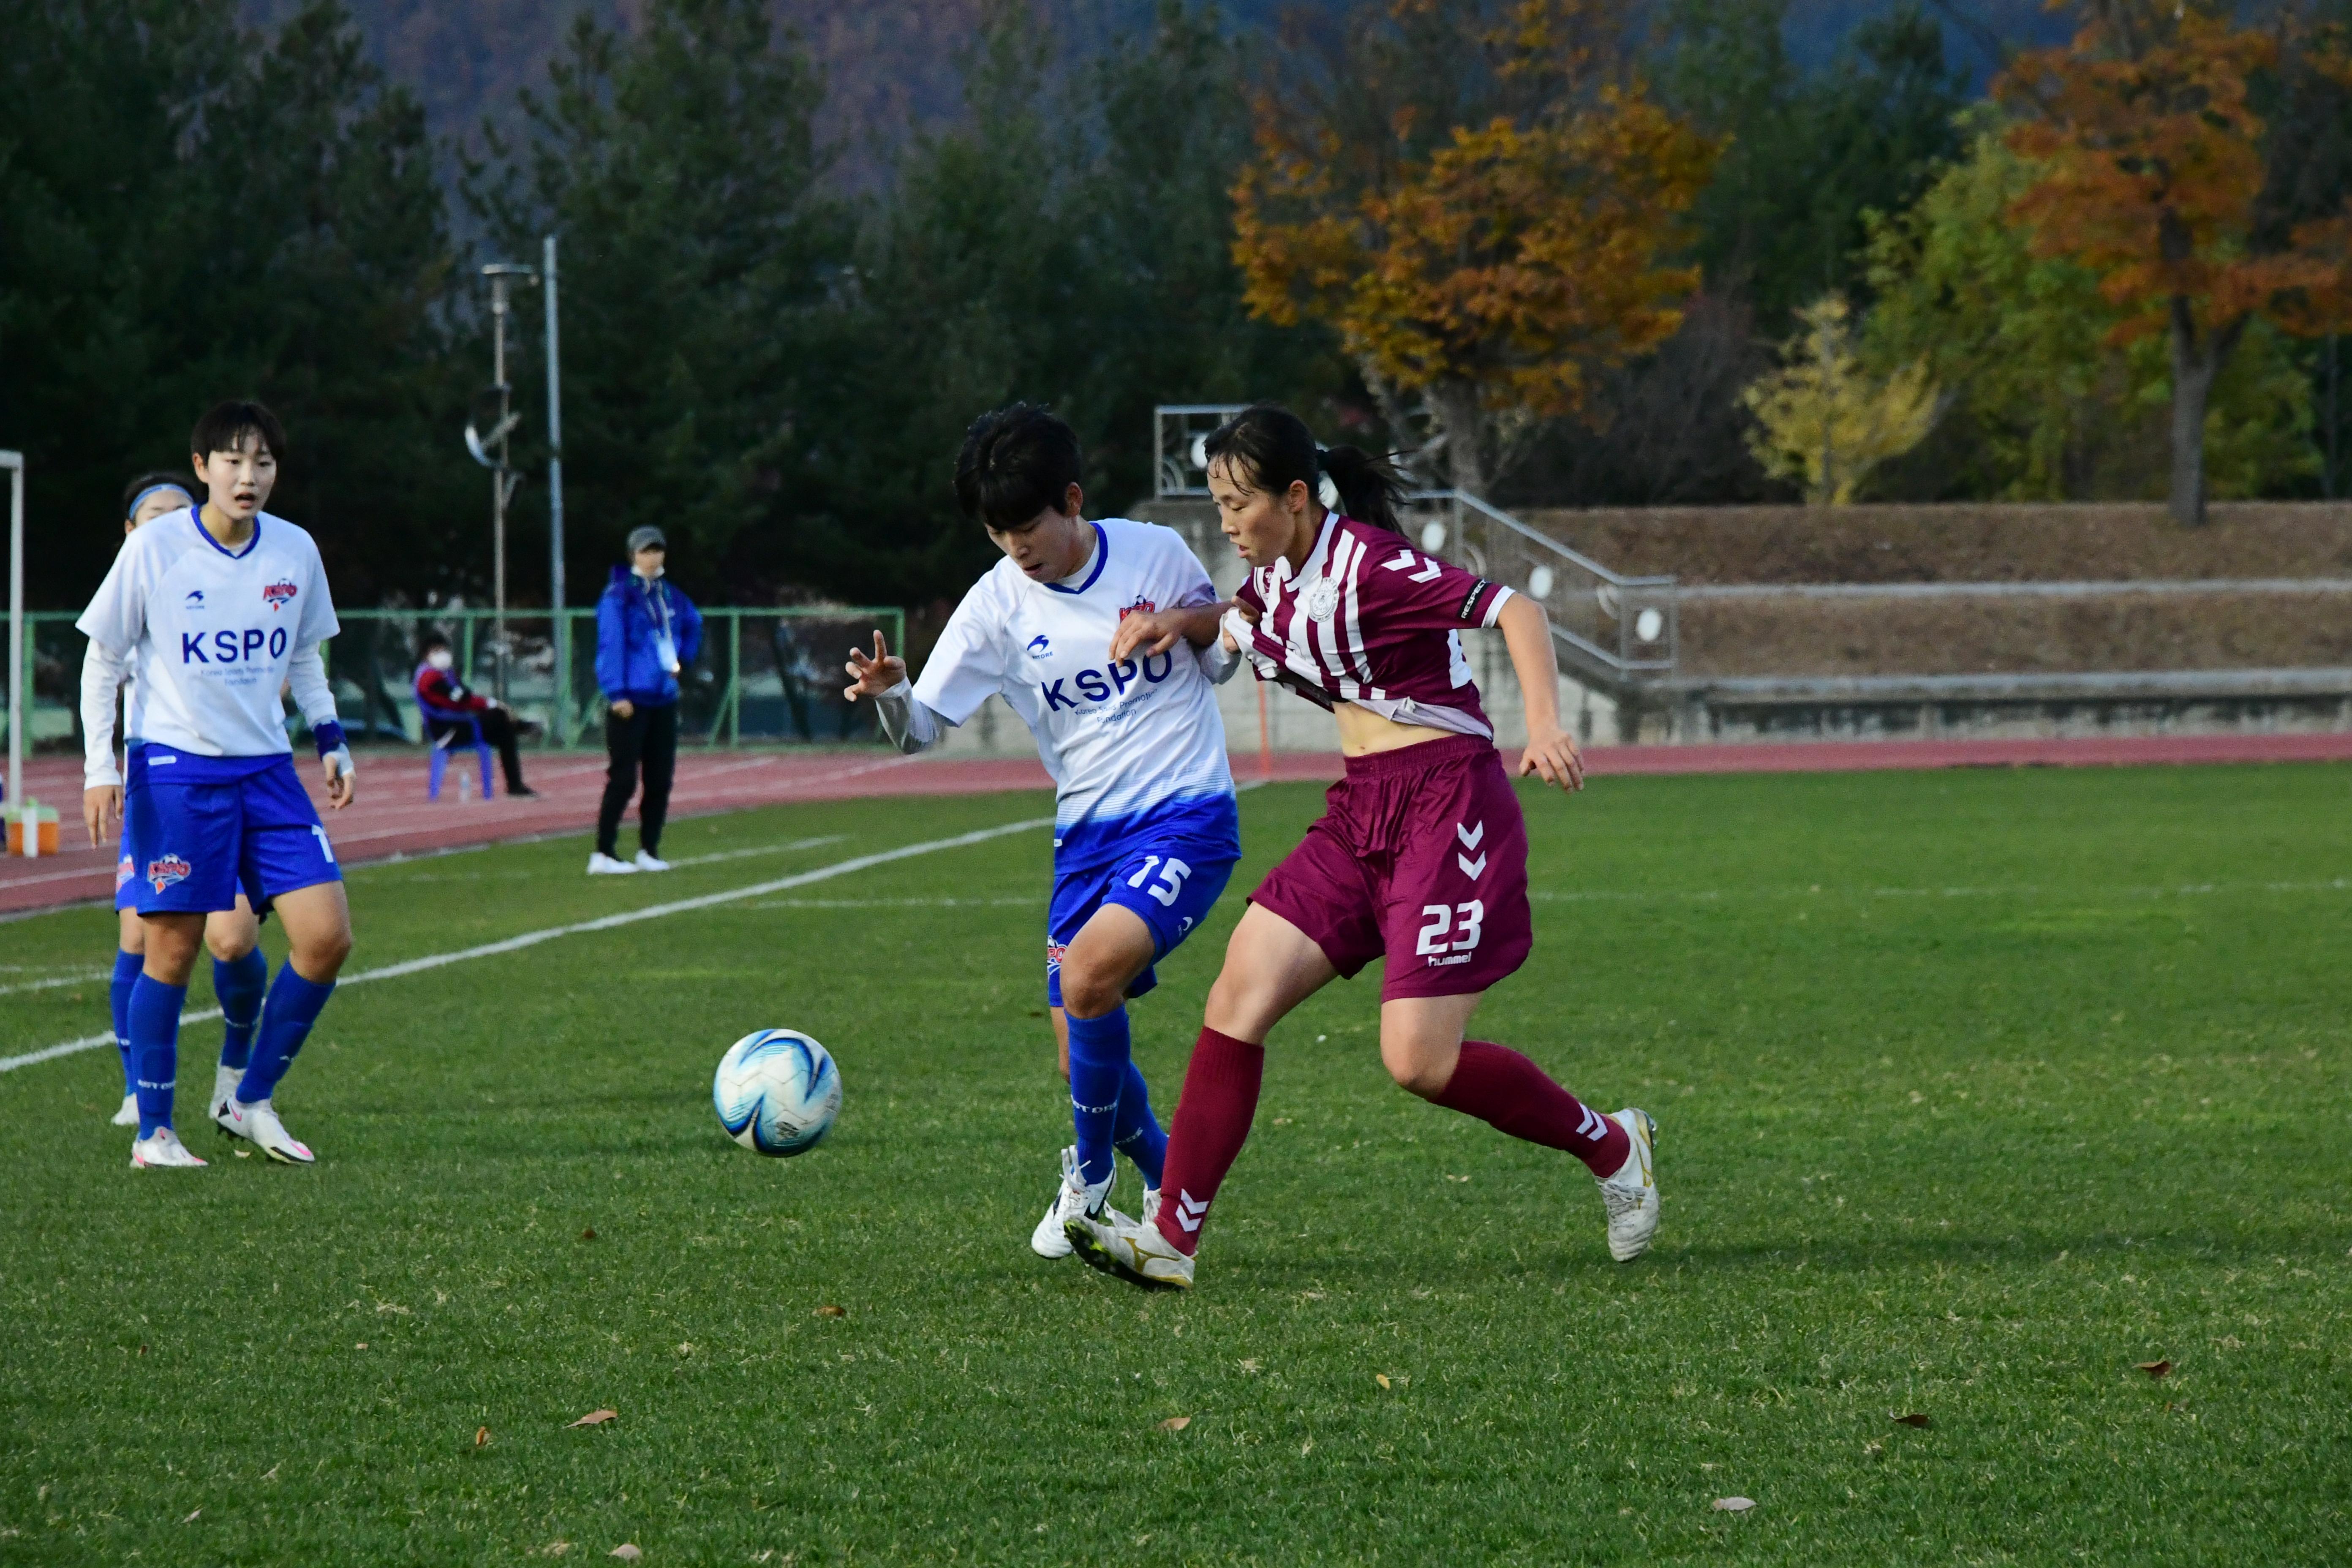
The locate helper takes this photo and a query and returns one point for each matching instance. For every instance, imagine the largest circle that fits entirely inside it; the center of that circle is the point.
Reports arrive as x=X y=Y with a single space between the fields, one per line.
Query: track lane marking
x=603 y=922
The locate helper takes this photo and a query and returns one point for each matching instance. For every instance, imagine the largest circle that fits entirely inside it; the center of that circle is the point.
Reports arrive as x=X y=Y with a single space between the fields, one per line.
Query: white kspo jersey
x=1133 y=744
x=211 y=636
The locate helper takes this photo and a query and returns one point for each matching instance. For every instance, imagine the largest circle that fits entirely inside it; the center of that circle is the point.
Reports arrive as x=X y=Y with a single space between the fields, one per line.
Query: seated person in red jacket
x=438 y=688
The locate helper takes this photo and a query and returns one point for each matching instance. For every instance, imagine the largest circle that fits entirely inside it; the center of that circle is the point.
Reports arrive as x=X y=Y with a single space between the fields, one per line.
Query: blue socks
x=1137 y=1132
x=118 y=994
x=1108 y=1102
x=154 y=1016
x=1098 y=1068
x=286 y=1019
x=239 y=982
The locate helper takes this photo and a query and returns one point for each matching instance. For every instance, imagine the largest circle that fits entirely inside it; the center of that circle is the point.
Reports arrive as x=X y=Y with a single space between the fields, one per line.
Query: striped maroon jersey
x=1372 y=620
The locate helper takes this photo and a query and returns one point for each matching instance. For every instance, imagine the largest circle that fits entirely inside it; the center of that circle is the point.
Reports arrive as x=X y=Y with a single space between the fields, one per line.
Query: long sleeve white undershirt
x=103 y=673
x=908 y=722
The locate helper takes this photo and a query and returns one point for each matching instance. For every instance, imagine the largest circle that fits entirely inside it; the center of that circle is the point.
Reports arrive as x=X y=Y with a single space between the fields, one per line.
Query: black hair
x=431 y=640
x=1015 y=462
x=147 y=481
x=225 y=426
x=1276 y=449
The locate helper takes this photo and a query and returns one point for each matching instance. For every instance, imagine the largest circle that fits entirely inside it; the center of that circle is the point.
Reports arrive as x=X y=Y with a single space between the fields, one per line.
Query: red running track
x=393 y=818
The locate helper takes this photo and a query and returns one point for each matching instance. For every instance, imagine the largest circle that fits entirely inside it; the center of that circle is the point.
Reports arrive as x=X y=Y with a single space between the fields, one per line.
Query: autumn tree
x=2157 y=172
x=1823 y=419
x=1481 y=199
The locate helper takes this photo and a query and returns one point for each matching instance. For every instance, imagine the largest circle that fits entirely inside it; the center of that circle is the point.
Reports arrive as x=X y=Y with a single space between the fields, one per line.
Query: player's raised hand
x=102 y=812
x=871 y=676
x=1152 y=631
x=1554 y=755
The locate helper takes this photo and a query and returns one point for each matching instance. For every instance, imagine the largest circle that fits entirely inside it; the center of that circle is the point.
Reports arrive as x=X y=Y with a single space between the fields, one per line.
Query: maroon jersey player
x=1420 y=858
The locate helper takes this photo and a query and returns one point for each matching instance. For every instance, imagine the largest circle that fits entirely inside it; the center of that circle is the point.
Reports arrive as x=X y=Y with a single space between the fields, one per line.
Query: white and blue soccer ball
x=777 y=1092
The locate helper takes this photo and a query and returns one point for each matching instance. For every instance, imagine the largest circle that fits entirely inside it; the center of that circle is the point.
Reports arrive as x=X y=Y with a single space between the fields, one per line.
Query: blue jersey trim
x=198 y=524
x=1208 y=826
x=1102 y=558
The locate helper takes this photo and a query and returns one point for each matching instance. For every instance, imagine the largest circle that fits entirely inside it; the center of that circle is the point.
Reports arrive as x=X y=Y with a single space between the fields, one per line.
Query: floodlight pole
x=561 y=628
x=14 y=463
x=503 y=276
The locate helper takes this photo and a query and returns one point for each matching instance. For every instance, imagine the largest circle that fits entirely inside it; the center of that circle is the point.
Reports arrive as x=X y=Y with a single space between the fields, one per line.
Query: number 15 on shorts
x=1450 y=928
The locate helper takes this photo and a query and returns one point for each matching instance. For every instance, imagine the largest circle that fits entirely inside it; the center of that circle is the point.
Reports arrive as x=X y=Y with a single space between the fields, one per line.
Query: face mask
x=440 y=658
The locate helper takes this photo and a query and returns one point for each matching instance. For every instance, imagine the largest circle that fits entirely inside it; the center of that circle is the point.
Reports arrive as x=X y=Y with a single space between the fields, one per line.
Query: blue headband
x=149 y=490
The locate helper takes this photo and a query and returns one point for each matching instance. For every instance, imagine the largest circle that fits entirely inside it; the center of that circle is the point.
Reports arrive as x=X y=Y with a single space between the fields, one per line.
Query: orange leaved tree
x=2160 y=175
x=1481 y=200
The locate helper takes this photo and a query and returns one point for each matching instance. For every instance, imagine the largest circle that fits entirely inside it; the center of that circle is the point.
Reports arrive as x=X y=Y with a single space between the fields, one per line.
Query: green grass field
x=1975 y=1089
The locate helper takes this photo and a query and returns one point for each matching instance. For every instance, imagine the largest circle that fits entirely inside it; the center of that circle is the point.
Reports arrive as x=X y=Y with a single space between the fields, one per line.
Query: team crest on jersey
x=277 y=594
x=1053 y=951
x=1140 y=608
x=1323 y=599
x=166 y=869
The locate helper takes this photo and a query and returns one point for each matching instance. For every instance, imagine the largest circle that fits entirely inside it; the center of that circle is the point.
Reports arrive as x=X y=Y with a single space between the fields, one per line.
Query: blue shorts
x=1170 y=883
x=193 y=846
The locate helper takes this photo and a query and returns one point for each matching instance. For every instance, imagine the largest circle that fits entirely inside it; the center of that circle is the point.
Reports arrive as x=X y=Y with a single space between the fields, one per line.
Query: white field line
x=604 y=923
x=79 y=978
x=1029 y=903
x=2018 y=889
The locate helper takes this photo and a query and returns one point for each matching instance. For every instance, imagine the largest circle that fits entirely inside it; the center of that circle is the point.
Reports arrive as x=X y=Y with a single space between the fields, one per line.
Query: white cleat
x=1130 y=1249
x=258 y=1123
x=127 y=1115
x=163 y=1151
x=603 y=865
x=1631 y=1195
x=648 y=861
x=1072 y=1197
x=225 y=1083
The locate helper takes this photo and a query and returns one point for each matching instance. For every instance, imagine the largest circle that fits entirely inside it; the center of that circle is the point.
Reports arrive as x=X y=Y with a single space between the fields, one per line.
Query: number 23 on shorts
x=1462 y=923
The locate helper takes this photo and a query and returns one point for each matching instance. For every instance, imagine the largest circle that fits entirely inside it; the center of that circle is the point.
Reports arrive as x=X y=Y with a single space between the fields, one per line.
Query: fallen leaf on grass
x=1249 y=1365
x=593 y=1418
x=192 y=1517
x=1912 y=1418
x=142 y=1349
x=588 y=1235
x=243 y=1153
x=361 y=1346
x=556 y=1548
x=2154 y=1368
x=830 y=1311
x=626 y=1552
x=1733 y=1504
x=1176 y=1424
x=1382 y=1378
x=481 y=1436
x=1455 y=1178
x=270 y=1474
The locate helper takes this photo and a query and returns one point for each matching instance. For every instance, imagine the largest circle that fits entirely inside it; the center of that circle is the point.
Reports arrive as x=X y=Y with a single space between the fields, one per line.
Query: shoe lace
x=1622 y=1199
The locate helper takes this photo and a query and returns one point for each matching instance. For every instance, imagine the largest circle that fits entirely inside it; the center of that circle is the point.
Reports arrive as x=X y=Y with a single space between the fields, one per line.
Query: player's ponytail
x=1273 y=449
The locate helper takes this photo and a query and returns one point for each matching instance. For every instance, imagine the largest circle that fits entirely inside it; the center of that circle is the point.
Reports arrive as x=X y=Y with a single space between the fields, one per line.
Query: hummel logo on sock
x=1190 y=1212
x=1594 y=1126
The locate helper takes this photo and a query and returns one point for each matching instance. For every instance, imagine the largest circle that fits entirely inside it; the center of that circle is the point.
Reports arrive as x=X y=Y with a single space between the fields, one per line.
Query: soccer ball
x=777 y=1092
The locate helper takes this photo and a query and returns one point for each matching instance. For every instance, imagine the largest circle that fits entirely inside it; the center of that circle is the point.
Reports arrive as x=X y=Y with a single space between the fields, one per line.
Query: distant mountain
x=891 y=64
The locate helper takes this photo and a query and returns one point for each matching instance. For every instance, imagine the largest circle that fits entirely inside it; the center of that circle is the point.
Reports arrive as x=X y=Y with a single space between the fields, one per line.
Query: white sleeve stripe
x=1494 y=606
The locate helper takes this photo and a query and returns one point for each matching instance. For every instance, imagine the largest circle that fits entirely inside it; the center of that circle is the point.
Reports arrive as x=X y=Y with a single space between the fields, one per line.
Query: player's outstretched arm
x=871 y=676
x=1156 y=631
x=1551 y=750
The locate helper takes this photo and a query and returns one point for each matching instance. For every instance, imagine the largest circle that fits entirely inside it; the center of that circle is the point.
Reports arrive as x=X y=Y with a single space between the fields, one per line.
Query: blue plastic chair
x=442 y=743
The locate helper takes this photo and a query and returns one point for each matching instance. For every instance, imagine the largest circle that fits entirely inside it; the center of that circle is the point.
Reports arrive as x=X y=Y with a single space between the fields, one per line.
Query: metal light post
x=503 y=276
x=14 y=463
x=563 y=629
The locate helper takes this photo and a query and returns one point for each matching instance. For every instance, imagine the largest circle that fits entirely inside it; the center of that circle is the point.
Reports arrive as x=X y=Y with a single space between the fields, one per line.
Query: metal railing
x=761 y=676
x=1611 y=629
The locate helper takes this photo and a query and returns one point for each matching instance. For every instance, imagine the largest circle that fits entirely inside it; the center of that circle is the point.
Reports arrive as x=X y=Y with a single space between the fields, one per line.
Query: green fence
x=763 y=677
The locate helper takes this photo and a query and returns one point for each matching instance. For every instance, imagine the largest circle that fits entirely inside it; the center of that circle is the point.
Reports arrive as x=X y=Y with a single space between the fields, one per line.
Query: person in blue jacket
x=646 y=633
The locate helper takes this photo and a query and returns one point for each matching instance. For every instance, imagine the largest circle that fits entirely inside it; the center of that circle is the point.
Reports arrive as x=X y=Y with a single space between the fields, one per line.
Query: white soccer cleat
x=163 y=1151
x=1073 y=1198
x=603 y=865
x=1130 y=1249
x=127 y=1114
x=1631 y=1195
x=258 y=1124
x=647 y=860
x=225 y=1083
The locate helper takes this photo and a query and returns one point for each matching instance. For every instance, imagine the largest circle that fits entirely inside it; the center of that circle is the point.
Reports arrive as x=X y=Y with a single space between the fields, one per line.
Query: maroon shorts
x=1421 y=856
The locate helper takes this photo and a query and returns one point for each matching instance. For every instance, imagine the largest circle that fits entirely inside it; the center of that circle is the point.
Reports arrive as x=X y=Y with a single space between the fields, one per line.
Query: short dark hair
x=225 y=426
x=1273 y=449
x=431 y=640
x=1015 y=462
x=154 y=480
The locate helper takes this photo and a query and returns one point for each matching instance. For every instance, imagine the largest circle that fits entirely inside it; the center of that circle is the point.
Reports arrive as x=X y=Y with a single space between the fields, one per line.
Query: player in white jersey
x=215 y=609
x=241 y=973
x=1103 y=636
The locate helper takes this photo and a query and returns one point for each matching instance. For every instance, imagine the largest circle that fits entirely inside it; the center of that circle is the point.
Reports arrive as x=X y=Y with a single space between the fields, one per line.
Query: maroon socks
x=1211 y=1123
x=1502 y=1087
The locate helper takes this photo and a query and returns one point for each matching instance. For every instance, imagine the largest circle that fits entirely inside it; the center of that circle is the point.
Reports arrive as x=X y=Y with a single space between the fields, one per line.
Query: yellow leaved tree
x=1823 y=419
x=1480 y=199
